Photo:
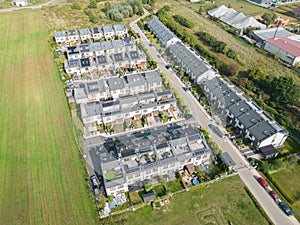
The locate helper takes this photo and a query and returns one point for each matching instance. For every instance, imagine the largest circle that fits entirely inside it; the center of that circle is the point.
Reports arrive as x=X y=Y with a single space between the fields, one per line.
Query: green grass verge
x=287 y=181
x=42 y=177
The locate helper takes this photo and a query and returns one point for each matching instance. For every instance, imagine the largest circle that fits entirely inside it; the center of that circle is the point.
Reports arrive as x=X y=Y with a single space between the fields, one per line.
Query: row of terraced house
x=86 y=34
x=120 y=99
x=104 y=56
x=254 y=123
x=154 y=153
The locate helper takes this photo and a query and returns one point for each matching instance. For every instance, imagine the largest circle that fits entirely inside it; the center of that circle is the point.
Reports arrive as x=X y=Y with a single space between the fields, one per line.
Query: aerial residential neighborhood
x=150 y=112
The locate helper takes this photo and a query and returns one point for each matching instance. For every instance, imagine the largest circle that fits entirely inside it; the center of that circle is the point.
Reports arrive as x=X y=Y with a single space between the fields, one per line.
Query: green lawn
x=291 y=145
x=174 y=186
x=41 y=175
x=288 y=182
x=159 y=190
x=217 y=203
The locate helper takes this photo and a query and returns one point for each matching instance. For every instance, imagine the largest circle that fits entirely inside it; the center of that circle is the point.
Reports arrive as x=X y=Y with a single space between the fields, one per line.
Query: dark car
x=263 y=182
x=94 y=181
x=168 y=66
x=274 y=195
x=285 y=209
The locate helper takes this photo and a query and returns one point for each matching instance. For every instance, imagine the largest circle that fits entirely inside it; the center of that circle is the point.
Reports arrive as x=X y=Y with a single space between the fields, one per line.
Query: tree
x=284 y=90
x=269 y=18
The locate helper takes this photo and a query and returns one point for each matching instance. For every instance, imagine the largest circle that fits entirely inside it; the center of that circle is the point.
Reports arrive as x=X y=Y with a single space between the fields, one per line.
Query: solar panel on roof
x=107 y=104
x=193 y=137
x=129 y=152
x=94 y=90
x=162 y=145
x=144 y=150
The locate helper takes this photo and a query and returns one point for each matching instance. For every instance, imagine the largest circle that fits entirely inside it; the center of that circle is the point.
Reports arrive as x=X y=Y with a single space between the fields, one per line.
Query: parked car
x=96 y=193
x=285 y=209
x=263 y=183
x=94 y=181
x=274 y=196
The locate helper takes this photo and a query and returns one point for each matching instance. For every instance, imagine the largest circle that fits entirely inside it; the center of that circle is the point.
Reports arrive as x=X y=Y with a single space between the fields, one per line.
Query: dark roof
x=110 y=103
x=84 y=47
x=250 y=118
x=161 y=31
x=227 y=159
x=101 y=59
x=135 y=80
x=229 y=99
x=127 y=152
x=239 y=108
x=152 y=77
x=269 y=151
x=262 y=130
x=118 y=57
x=85 y=62
x=195 y=64
x=72 y=32
x=96 y=30
x=72 y=50
x=116 y=83
x=134 y=54
x=149 y=196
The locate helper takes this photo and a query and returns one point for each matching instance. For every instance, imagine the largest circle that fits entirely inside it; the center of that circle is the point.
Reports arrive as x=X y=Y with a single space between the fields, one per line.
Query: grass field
x=42 y=178
x=288 y=181
x=207 y=205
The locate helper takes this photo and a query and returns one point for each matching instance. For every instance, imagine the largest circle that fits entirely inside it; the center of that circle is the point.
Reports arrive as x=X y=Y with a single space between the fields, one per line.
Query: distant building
x=263 y=35
x=234 y=18
x=288 y=49
x=20 y=2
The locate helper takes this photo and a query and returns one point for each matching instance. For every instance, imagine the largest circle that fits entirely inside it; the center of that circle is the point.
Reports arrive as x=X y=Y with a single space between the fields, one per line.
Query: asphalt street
x=243 y=167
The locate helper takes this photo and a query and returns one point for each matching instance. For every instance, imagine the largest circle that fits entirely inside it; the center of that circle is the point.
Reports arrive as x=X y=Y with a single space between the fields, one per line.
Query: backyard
x=206 y=205
x=43 y=179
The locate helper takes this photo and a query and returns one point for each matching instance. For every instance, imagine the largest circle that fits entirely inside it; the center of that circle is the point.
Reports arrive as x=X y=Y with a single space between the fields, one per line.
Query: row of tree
x=281 y=89
x=183 y=21
x=218 y=46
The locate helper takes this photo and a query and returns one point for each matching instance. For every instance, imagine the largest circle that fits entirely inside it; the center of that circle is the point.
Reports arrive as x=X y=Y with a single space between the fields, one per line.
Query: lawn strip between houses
x=42 y=177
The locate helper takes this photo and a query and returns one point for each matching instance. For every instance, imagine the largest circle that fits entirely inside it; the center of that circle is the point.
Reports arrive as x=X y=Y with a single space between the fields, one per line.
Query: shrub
x=76 y=6
x=183 y=21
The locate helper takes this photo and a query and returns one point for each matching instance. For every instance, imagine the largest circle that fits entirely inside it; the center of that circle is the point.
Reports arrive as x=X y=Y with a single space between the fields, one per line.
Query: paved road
x=26 y=7
x=242 y=165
